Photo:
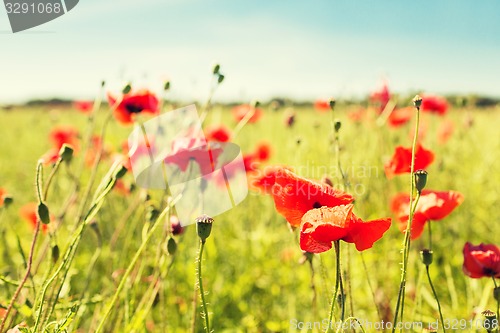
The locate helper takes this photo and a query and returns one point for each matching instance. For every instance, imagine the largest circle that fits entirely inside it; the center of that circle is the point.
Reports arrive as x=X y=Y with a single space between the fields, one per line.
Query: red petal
x=364 y=234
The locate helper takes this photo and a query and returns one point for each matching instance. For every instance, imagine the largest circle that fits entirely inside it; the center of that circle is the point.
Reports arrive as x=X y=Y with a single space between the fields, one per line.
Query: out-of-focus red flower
x=29 y=213
x=142 y=101
x=401 y=116
x=432 y=206
x=294 y=196
x=321 y=226
x=60 y=135
x=218 y=133
x=263 y=151
x=482 y=260
x=175 y=226
x=289 y=119
x=357 y=116
x=3 y=194
x=95 y=146
x=83 y=106
x=322 y=105
x=241 y=111
x=381 y=96
x=434 y=104
x=401 y=160
x=121 y=187
x=185 y=150
x=445 y=131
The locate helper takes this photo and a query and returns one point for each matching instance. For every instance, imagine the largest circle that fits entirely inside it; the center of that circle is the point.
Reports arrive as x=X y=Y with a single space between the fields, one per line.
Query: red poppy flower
x=185 y=150
x=357 y=116
x=445 y=131
x=60 y=135
x=399 y=117
x=241 y=111
x=83 y=106
x=265 y=180
x=434 y=104
x=29 y=213
x=263 y=151
x=218 y=133
x=401 y=160
x=381 y=96
x=321 y=226
x=3 y=194
x=322 y=105
x=433 y=205
x=482 y=260
x=294 y=196
x=133 y=103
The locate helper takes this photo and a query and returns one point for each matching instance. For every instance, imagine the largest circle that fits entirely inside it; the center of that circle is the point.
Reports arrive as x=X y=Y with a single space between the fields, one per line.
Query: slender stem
x=131 y=266
x=338 y=284
x=200 y=285
x=498 y=305
x=435 y=297
x=313 y=289
x=430 y=234
x=339 y=276
x=51 y=176
x=407 y=237
x=32 y=250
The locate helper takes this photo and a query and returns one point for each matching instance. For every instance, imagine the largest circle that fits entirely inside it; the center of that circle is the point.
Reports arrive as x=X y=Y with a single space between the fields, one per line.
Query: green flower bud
x=120 y=172
x=420 y=179
x=204 y=226
x=43 y=213
x=152 y=213
x=55 y=253
x=166 y=86
x=426 y=256
x=417 y=101
x=220 y=78
x=7 y=201
x=103 y=83
x=171 y=246
x=66 y=152
x=127 y=88
x=216 y=69
x=255 y=104
x=332 y=103
x=337 y=125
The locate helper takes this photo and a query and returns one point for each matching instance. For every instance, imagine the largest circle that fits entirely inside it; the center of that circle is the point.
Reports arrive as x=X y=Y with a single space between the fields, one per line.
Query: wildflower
x=83 y=106
x=133 y=103
x=432 y=205
x=218 y=133
x=481 y=260
x=434 y=104
x=401 y=160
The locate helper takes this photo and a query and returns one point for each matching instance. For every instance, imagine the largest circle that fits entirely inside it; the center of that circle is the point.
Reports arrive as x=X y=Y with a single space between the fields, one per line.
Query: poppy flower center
x=132 y=108
x=317 y=205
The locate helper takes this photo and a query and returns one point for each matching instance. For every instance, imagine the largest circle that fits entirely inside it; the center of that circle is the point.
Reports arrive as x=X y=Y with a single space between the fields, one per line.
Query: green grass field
x=251 y=268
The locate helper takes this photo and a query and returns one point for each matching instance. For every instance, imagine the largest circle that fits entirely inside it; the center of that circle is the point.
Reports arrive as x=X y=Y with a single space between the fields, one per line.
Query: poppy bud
x=426 y=256
x=66 y=152
x=103 y=83
x=171 y=246
x=326 y=180
x=151 y=213
x=166 y=86
x=7 y=201
x=43 y=213
x=417 y=101
x=337 y=125
x=216 y=69
x=496 y=294
x=55 y=253
x=220 y=78
x=127 y=88
x=204 y=226
x=332 y=103
x=420 y=179
x=120 y=172
x=255 y=104
x=490 y=320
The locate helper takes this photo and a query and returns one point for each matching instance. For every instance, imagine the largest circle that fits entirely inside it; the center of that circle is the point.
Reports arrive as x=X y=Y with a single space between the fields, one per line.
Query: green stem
x=430 y=234
x=435 y=297
x=200 y=285
x=338 y=284
x=498 y=305
x=407 y=237
x=131 y=266
x=51 y=176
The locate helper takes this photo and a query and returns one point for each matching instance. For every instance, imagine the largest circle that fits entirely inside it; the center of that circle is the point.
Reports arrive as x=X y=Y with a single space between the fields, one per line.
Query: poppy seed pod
x=420 y=179
x=66 y=152
x=204 y=226
x=490 y=320
x=43 y=213
x=426 y=255
x=417 y=101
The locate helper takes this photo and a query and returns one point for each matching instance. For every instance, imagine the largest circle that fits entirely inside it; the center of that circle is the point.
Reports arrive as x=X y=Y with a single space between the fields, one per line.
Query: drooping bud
x=331 y=101
x=216 y=69
x=337 y=125
x=171 y=246
x=43 y=213
x=426 y=255
x=120 y=172
x=220 y=78
x=55 y=253
x=66 y=152
x=127 y=88
x=103 y=83
x=417 y=101
x=166 y=86
x=152 y=213
x=7 y=201
x=255 y=104
x=420 y=179
x=204 y=226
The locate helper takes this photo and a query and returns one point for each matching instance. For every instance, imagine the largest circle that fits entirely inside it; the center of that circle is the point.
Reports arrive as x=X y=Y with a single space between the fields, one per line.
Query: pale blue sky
x=302 y=49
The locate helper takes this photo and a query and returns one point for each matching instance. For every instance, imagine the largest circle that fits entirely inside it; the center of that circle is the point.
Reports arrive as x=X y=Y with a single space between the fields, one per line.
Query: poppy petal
x=364 y=234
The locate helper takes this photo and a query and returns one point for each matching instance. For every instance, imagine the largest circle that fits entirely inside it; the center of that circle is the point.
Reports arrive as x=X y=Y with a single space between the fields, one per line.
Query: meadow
x=255 y=275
